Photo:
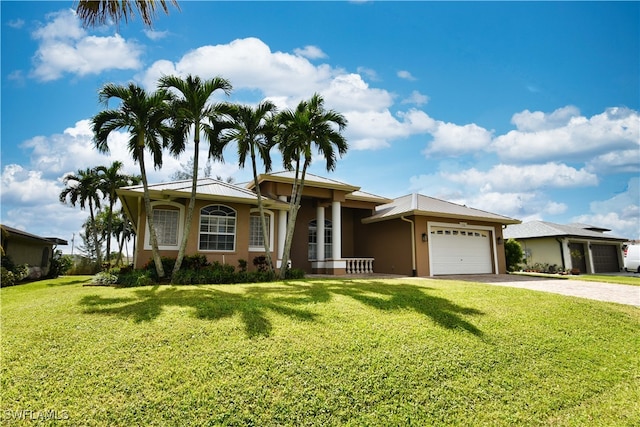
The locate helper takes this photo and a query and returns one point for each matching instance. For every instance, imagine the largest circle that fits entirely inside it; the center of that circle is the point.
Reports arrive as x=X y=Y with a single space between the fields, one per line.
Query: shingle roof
x=418 y=204
x=533 y=229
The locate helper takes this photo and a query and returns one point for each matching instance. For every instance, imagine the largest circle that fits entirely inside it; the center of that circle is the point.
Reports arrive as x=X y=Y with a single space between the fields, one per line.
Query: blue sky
x=529 y=110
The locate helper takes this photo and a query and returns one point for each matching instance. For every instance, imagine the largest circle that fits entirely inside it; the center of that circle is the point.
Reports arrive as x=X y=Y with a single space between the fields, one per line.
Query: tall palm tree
x=109 y=180
x=145 y=117
x=192 y=111
x=100 y=12
x=252 y=129
x=302 y=129
x=82 y=188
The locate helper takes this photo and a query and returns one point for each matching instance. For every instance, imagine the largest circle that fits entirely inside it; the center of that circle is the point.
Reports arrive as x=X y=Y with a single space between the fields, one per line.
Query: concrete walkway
x=621 y=294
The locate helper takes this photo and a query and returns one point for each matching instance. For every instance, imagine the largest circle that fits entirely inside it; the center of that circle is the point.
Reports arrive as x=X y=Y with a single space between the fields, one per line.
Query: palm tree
x=144 y=116
x=109 y=180
x=100 y=12
x=301 y=129
x=192 y=112
x=253 y=131
x=82 y=188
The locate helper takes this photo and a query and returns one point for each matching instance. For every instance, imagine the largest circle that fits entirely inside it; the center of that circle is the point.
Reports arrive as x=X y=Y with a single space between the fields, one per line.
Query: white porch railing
x=359 y=265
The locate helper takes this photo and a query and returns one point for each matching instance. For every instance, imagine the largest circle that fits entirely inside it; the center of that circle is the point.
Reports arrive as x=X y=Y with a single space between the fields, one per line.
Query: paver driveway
x=622 y=294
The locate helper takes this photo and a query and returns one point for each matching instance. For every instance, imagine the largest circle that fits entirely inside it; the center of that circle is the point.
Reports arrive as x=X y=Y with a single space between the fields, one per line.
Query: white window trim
x=147 y=233
x=235 y=233
x=271 y=216
x=326 y=246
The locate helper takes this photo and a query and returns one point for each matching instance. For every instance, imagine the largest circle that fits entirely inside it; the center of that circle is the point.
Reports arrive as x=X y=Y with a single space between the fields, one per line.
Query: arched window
x=313 y=240
x=217 y=228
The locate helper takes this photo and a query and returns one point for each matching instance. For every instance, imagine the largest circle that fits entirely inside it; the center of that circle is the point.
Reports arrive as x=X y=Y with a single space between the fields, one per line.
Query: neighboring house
x=571 y=246
x=27 y=248
x=339 y=229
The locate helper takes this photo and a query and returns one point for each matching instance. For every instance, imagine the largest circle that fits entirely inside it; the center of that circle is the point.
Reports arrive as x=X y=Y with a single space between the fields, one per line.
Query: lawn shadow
x=293 y=299
x=207 y=301
x=385 y=296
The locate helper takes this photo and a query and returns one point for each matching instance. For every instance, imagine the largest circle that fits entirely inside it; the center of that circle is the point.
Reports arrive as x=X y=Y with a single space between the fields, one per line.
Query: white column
x=282 y=231
x=320 y=233
x=336 y=230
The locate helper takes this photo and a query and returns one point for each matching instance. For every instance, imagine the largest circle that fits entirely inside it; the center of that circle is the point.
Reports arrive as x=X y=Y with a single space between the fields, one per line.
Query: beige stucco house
x=340 y=229
x=585 y=247
x=27 y=248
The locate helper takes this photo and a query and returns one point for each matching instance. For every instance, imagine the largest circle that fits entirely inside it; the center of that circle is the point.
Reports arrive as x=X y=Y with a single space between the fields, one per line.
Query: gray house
x=27 y=248
x=585 y=247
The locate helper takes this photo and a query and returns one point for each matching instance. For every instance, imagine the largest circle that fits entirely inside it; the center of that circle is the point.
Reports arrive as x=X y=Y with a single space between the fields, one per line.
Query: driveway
x=622 y=294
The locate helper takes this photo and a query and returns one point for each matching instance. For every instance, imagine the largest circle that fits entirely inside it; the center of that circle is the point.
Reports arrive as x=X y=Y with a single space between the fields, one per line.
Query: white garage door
x=460 y=251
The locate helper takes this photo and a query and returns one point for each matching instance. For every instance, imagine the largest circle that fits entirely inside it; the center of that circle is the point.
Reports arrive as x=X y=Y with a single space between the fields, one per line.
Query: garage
x=460 y=251
x=605 y=258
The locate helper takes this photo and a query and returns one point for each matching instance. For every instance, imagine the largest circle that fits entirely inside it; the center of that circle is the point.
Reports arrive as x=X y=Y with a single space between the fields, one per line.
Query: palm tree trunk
x=192 y=201
x=265 y=234
x=94 y=233
x=109 y=226
x=147 y=206
x=294 y=206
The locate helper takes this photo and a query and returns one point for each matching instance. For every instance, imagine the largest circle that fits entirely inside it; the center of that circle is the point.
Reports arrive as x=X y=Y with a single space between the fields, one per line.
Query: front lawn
x=316 y=352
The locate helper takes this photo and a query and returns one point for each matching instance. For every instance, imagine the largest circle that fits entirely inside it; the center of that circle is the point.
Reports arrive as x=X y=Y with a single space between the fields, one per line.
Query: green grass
x=620 y=280
x=316 y=352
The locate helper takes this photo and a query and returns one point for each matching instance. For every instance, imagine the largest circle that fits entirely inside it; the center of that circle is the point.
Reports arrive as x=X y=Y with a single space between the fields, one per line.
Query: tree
x=192 y=111
x=100 y=12
x=252 y=129
x=82 y=188
x=145 y=117
x=187 y=171
x=300 y=130
x=109 y=180
x=513 y=253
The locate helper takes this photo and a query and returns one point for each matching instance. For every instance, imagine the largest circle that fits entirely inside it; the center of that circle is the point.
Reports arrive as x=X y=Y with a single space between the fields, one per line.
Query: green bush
x=295 y=273
x=513 y=254
x=60 y=264
x=106 y=278
x=7 y=278
x=128 y=278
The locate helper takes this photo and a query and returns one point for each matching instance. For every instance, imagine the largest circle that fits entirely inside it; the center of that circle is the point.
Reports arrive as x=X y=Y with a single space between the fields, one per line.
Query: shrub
x=60 y=264
x=128 y=278
x=513 y=254
x=260 y=262
x=106 y=278
x=7 y=278
x=294 y=274
x=194 y=262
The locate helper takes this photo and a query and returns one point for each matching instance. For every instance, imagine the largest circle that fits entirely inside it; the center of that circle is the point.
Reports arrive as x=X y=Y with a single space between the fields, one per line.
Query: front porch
x=344 y=266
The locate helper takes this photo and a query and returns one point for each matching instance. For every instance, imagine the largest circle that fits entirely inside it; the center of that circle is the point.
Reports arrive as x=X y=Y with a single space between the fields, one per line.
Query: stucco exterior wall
x=389 y=242
x=543 y=250
x=29 y=252
x=241 y=251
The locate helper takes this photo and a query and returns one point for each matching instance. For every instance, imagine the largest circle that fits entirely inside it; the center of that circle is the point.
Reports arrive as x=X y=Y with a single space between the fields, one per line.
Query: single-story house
x=27 y=248
x=571 y=246
x=339 y=228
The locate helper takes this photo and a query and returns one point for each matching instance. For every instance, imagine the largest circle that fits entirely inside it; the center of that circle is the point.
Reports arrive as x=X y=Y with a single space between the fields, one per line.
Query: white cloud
x=155 y=35
x=16 y=23
x=504 y=178
x=406 y=75
x=453 y=139
x=526 y=121
x=311 y=52
x=622 y=161
x=565 y=134
x=620 y=213
x=65 y=47
x=416 y=98
x=368 y=73
x=374 y=130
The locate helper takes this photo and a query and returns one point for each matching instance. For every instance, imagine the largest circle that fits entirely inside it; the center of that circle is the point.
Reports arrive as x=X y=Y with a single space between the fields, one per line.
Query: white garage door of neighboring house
x=460 y=251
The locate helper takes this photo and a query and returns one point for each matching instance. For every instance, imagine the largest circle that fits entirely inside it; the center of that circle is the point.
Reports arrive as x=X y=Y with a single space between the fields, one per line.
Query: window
x=256 y=242
x=217 y=228
x=313 y=240
x=165 y=221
